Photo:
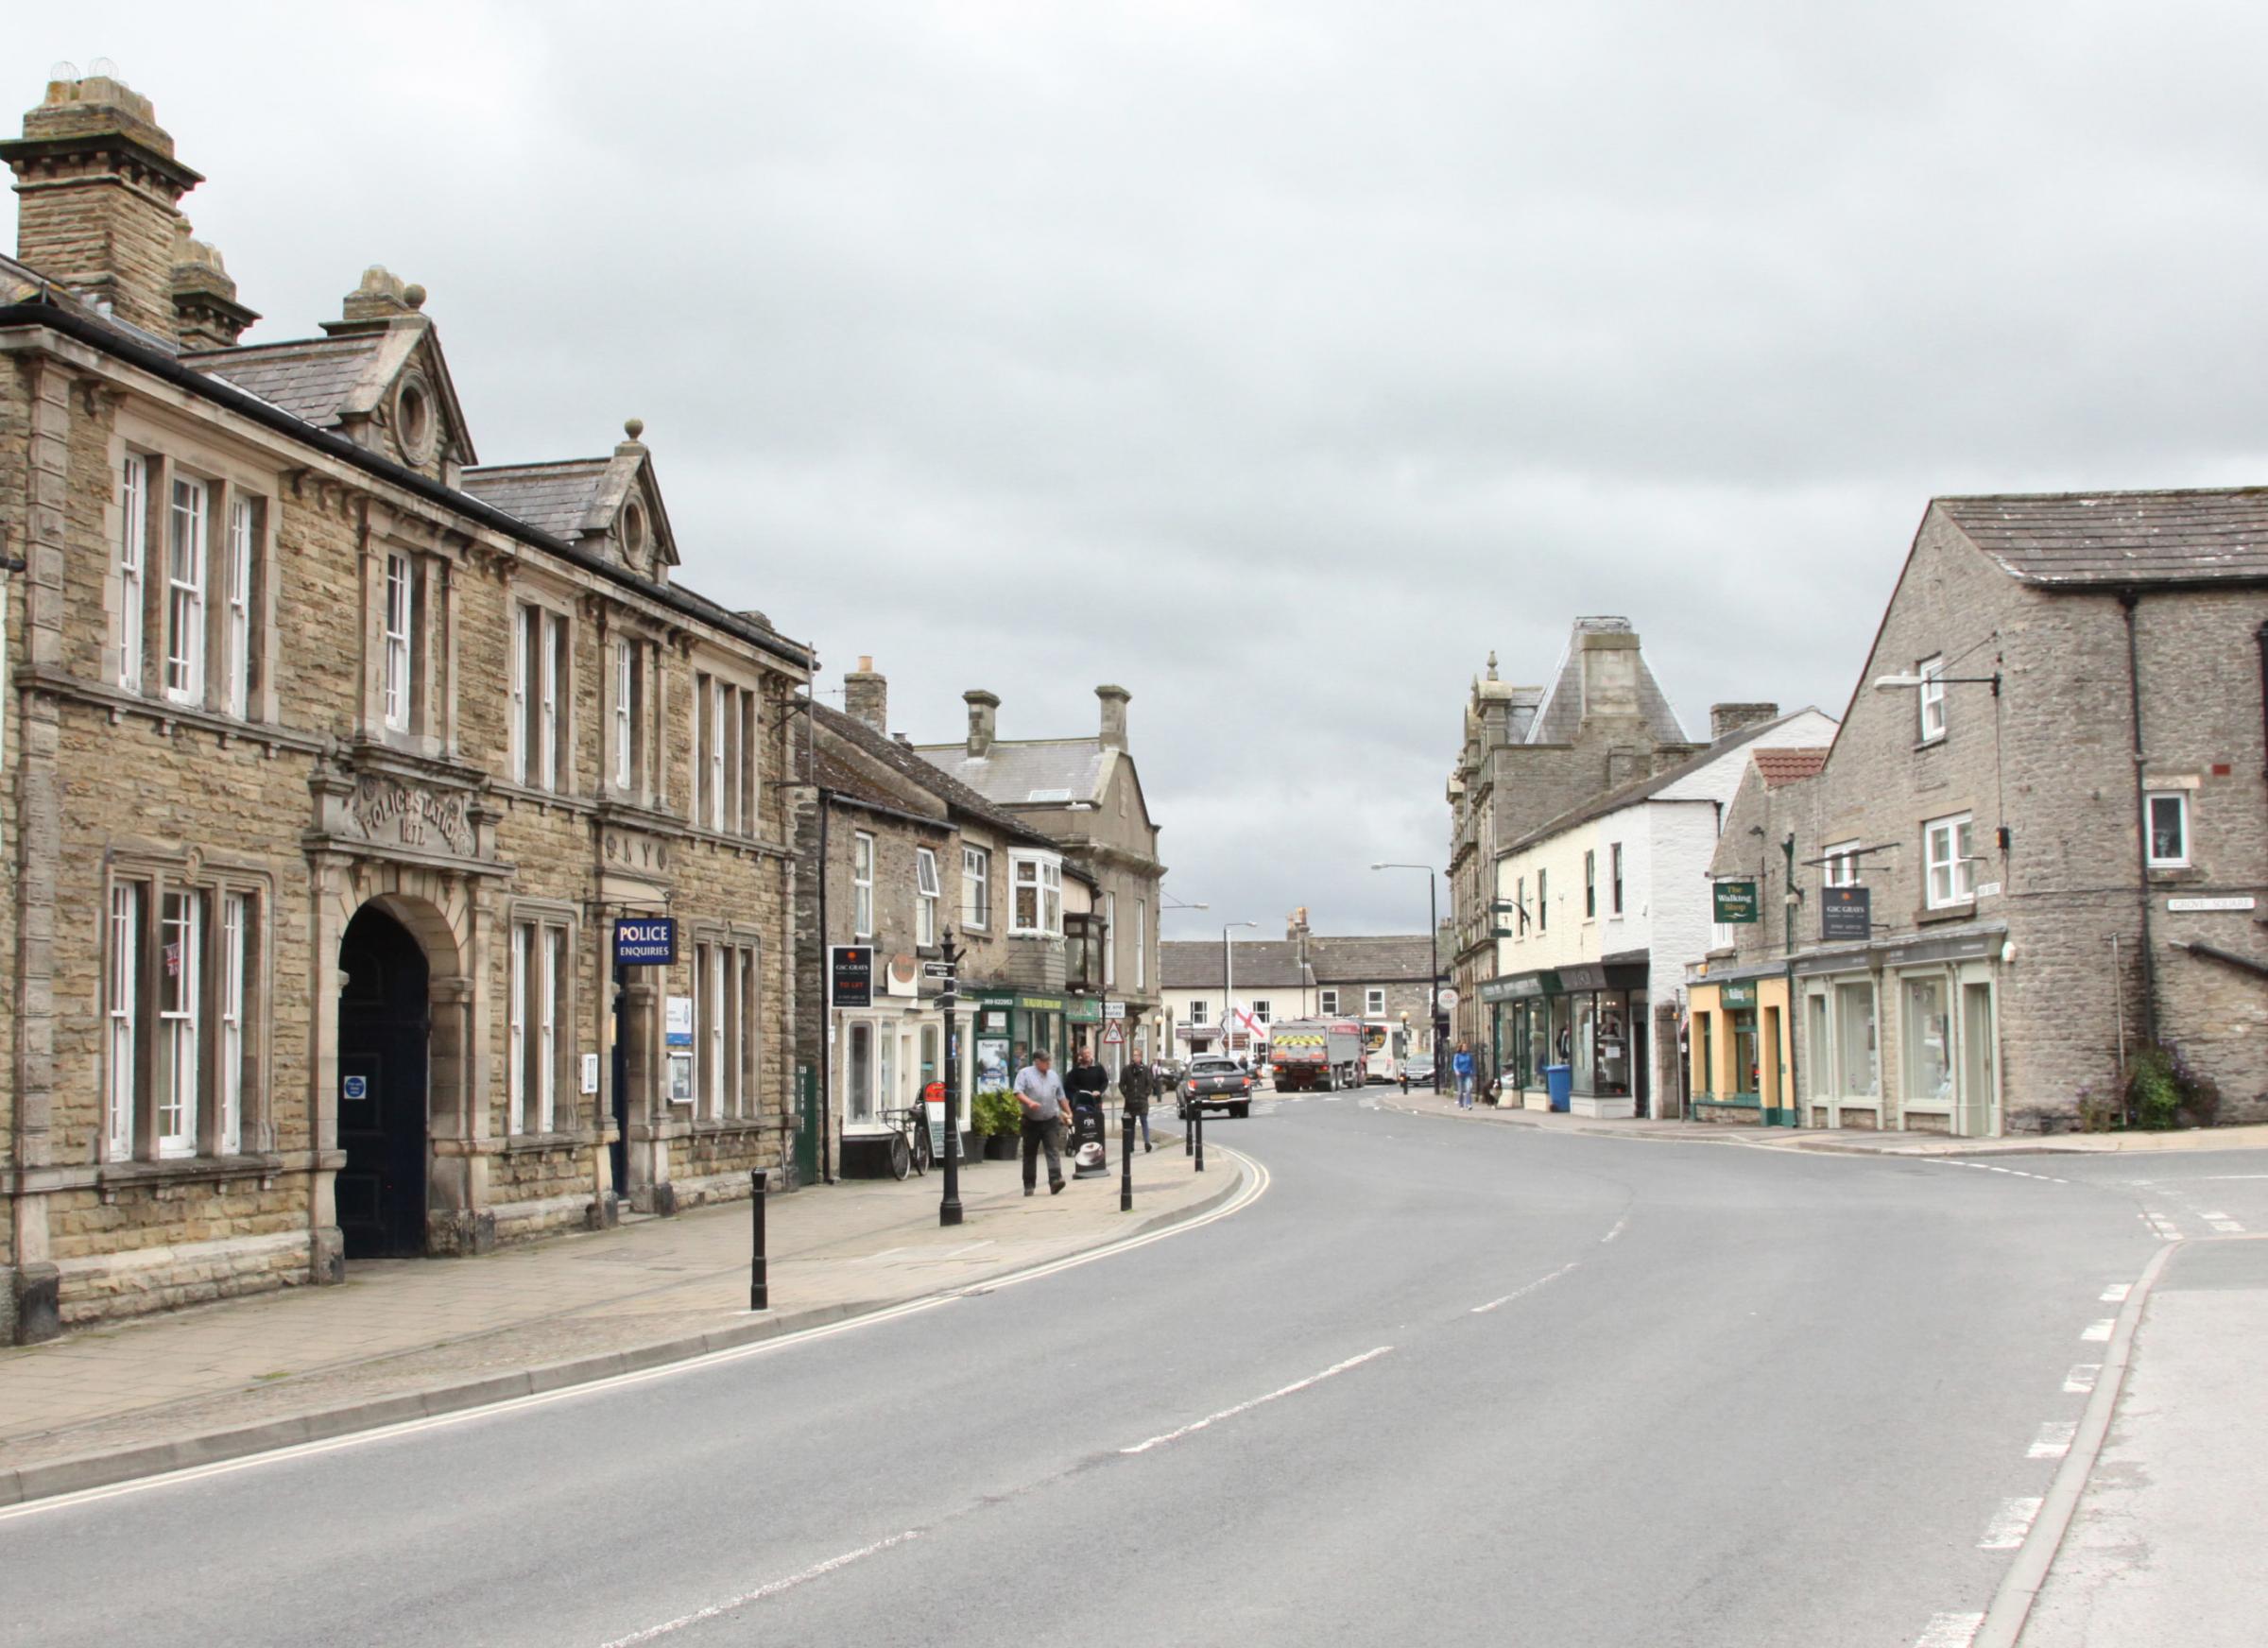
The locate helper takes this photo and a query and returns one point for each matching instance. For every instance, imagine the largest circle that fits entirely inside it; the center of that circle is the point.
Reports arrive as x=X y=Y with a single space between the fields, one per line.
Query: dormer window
x=633 y=535
x=415 y=422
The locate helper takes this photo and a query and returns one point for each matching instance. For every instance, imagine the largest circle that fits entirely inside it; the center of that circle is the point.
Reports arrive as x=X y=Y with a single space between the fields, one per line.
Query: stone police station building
x=332 y=760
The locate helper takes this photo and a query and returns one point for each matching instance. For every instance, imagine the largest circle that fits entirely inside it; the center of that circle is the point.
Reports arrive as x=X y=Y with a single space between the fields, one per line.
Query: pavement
x=410 y=1338
x=1458 y=1383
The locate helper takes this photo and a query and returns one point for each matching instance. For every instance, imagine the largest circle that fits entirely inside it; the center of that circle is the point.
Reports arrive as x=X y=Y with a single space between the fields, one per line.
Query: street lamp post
x=1433 y=950
x=949 y=1210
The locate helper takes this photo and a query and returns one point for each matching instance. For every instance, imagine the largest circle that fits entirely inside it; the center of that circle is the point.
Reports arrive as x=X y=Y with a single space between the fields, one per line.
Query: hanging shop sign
x=650 y=941
x=1734 y=904
x=851 y=974
x=1846 y=914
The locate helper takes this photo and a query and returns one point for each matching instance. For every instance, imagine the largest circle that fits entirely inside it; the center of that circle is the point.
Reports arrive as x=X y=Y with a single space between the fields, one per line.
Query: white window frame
x=1591 y=883
x=1329 y=1004
x=133 y=566
x=976 y=888
x=714 y=709
x=1842 y=867
x=188 y=536
x=1954 y=865
x=243 y=532
x=1614 y=882
x=553 y=638
x=1195 y=1011
x=1929 y=699
x=861 y=885
x=515 y=1031
x=177 y=1118
x=927 y=891
x=551 y=941
x=1261 y=1010
x=1142 y=944
x=122 y=1009
x=235 y=922
x=2180 y=798
x=626 y=676
x=396 y=623
x=1374 y=1003
x=1110 y=937
x=709 y=1023
x=1045 y=881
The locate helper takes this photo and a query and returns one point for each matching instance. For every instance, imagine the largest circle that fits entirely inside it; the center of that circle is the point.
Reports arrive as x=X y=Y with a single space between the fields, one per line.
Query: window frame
x=132 y=566
x=928 y=891
x=1959 y=865
x=397 y=640
x=1046 y=884
x=1614 y=878
x=237 y=596
x=1839 y=865
x=1543 y=913
x=1374 y=1002
x=976 y=888
x=1591 y=883
x=188 y=554
x=1142 y=944
x=180 y=1029
x=624 y=718
x=1930 y=697
x=2180 y=798
x=861 y=884
x=1327 y=1003
x=122 y=1012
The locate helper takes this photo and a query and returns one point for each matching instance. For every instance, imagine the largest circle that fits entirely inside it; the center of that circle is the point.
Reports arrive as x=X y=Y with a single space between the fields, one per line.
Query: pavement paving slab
x=409 y=1336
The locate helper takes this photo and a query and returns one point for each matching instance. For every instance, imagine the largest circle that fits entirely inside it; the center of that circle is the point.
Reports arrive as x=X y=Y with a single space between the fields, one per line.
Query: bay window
x=1039 y=894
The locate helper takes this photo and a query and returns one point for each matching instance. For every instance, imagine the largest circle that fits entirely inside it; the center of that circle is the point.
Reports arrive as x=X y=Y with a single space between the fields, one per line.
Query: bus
x=1385 y=1044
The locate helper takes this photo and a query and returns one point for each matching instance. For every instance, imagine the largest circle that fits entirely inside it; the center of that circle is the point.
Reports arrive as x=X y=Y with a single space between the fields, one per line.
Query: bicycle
x=910 y=1149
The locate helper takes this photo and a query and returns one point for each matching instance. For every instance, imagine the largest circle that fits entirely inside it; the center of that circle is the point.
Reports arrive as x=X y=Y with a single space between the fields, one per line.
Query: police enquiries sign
x=650 y=941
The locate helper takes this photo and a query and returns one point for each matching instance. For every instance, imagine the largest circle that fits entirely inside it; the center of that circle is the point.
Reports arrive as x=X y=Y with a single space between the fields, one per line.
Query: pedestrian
x=1461 y=1062
x=1134 y=1092
x=1039 y=1091
x=1089 y=1084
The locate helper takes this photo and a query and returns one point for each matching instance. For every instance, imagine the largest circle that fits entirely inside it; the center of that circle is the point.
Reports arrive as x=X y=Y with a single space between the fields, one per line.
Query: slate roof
x=1784 y=767
x=1380 y=959
x=2071 y=539
x=1039 y=772
x=310 y=378
x=1195 y=964
x=1560 y=714
x=551 y=497
x=1638 y=790
x=907 y=761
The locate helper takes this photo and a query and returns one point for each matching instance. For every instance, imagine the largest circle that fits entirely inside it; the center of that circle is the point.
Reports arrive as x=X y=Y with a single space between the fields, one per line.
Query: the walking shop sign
x=1735 y=903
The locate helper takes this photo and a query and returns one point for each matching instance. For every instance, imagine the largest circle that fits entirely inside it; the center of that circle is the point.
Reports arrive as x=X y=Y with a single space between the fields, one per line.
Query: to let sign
x=1734 y=902
x=1846 y=914
x=851 y=974
x=651 y=942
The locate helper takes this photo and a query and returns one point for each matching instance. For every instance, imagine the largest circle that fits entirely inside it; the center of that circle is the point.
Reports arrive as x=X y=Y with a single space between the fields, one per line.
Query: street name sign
x=938 y=970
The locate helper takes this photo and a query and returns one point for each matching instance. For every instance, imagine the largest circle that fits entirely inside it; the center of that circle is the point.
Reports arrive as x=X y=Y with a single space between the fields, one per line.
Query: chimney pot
x=867 y=695
x=1114 y=715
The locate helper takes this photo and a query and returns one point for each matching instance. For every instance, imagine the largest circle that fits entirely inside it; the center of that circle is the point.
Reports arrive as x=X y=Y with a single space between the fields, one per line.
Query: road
x=1445 y=1381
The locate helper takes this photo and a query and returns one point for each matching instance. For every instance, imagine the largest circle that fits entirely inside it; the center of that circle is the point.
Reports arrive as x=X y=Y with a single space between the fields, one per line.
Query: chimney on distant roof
x=1726 y=719
x=1608 y=647
x=206 y=314
x=1114 y=715
x=100 y=194
x=983 y=707
x=1297 y=927
x=382 y=298
x=867 y=695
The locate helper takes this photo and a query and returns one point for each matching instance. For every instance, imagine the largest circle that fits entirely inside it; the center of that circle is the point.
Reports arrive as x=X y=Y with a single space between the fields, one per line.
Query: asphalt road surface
x=1444 y=1382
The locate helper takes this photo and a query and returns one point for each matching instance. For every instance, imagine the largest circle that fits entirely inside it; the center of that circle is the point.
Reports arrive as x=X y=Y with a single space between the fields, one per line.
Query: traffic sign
x=1114 y=1032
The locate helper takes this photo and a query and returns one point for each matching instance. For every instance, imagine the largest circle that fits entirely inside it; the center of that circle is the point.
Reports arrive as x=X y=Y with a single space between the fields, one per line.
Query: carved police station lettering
x=636 y=851
x=388 y=811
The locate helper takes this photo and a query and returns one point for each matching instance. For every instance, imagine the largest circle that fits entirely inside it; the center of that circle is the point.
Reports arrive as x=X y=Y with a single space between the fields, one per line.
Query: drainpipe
x=2128 y=601
x=1787 y=1028
x=826 y=1008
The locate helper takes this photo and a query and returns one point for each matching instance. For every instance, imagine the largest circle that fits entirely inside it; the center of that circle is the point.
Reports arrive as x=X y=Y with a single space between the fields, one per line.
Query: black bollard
x=1196 y=1119
x=1189 y=1137
x=759 y=1287
x=1125 y=1163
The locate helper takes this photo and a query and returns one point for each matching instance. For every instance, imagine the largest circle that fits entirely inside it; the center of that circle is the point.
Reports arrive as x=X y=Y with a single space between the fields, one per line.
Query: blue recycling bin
x=1559 y=1082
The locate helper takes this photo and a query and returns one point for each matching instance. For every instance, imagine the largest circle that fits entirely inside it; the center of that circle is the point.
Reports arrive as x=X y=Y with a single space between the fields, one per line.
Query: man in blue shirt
x=1461 y=1063
x=1046 y=1108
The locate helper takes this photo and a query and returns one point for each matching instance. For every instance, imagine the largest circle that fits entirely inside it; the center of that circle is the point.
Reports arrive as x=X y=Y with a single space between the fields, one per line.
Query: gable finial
x=1493 y=663
x=414 y=295
x=633 y=427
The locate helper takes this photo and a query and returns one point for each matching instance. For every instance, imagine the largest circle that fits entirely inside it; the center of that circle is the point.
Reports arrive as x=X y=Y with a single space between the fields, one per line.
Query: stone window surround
x=728 y=936
x=976 y=888
x=746 y=729
x=161 y=873
x=546 y=916
x=2163 y=790
x=552 y=607
x=168 y=455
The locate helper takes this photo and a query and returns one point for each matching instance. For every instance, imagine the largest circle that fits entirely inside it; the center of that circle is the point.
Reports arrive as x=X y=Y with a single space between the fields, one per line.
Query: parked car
x=1215 y=1083
x=1417 y=1072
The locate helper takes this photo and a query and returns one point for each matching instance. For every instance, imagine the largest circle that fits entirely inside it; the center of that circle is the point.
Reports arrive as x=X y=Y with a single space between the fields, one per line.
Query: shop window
x=2166 y=817
x=1857 y=1058
x=1951 y=869
x=1748 y=1068
x=1816 y=1045
x=1705 y=1055
x=1929 y=1066
x=858 y=1072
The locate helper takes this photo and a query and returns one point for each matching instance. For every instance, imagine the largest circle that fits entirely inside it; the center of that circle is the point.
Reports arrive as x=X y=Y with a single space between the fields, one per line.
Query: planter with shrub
x=1000 y=1118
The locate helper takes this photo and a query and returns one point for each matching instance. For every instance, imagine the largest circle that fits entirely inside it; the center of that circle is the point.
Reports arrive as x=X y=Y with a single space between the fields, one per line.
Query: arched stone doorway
x=385 y=1028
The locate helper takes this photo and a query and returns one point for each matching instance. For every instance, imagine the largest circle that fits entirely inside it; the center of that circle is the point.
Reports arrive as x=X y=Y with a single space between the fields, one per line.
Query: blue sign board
x=649 y=941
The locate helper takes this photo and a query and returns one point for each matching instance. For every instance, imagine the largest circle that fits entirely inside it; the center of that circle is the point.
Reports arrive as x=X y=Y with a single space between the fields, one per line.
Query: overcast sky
x=1275 y=361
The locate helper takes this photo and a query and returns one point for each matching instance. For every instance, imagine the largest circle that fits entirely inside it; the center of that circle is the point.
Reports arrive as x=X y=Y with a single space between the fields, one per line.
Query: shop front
x=1005 y=1027
x=1738 y=1050
x=1590 y=1017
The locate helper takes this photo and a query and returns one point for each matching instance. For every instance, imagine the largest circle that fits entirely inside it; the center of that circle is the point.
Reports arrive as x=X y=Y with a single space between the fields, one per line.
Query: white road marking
x=1620 y=1226
x=1519 y=1292
x=1297 y=1386
x=2219 y=1176
x=2226 y=1227
x=816 y=1571
x=2098 y=1332
x=2009 y=1526
x=2116 y=1292
x=2081 y=1379
x=1950 y=1631
x=2053 y=1441
x=970 y=1248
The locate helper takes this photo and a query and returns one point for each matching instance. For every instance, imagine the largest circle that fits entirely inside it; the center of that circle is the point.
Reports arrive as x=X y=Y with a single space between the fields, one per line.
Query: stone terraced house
x=332 y=759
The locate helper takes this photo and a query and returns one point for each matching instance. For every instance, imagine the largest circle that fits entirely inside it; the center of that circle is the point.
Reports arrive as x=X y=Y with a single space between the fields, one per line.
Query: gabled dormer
x=610 y=505
x=378 y=377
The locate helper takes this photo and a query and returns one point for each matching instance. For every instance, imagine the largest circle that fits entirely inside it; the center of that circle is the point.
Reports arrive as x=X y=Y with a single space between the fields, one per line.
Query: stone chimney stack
x=983 y=709
x=867 y=695
x=1609 y=654
x=1726 y=719
x=1295 y=928
x=382 y=298
x=205 y=312
x=100 y=198
x=1114 y=715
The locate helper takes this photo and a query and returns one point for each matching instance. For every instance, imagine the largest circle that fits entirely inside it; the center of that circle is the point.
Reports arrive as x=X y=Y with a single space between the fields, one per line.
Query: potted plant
x=1000 y=1118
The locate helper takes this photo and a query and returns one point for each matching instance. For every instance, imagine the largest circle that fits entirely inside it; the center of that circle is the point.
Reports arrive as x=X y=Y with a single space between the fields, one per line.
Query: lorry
x=1312 y=1054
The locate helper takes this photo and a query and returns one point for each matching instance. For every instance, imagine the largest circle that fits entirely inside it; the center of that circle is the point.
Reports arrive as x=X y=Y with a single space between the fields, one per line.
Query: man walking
x=1461 y=1062
x=1039 y=1091
x=1134 y=1089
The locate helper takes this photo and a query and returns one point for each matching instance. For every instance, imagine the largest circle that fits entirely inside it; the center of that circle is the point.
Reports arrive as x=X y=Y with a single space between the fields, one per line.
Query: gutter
x=159 y=365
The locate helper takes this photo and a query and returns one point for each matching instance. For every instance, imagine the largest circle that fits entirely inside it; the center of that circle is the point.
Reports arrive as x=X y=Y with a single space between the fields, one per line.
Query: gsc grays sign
x=648 y=942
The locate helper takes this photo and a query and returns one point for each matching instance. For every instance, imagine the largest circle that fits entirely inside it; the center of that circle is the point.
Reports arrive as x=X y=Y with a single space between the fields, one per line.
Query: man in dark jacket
x=1088 y=1085
x=1134 y=1089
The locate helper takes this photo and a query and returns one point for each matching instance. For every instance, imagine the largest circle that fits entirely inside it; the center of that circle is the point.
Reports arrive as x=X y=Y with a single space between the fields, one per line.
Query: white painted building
x=1598 y=912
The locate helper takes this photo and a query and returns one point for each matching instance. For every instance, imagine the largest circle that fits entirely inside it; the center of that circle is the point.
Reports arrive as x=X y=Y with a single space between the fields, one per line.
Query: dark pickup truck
x=1216 y=1084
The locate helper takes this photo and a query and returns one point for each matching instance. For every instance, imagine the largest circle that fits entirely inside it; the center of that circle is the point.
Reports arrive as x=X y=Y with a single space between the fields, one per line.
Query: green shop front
x=1007 y=1027
x=1589 y=1016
